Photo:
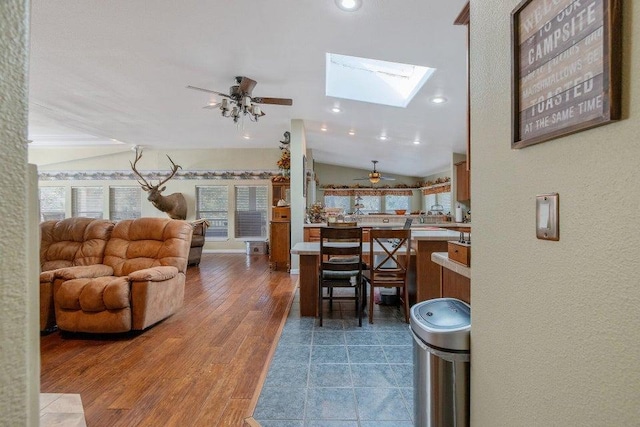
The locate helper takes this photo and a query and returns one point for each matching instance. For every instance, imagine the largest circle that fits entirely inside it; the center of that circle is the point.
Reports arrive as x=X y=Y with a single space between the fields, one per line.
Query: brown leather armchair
x=67 y=243
x=197 y=241
x=140 y=282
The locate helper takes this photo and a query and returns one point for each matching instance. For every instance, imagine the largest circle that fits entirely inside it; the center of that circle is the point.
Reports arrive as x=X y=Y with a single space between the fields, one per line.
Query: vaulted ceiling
x=109 y=72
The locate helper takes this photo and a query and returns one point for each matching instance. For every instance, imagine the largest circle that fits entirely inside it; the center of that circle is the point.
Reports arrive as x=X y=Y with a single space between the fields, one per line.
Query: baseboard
x=224 y=251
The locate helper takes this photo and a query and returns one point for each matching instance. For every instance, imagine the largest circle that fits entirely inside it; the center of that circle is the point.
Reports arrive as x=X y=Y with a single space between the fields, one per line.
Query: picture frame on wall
x=566 y=67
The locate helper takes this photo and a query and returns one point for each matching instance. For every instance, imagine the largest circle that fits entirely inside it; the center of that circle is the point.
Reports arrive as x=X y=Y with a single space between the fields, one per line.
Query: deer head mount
x=174 y=204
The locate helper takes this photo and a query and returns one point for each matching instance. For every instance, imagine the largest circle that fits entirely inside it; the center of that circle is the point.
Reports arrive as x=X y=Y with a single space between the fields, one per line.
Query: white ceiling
x=117 y=70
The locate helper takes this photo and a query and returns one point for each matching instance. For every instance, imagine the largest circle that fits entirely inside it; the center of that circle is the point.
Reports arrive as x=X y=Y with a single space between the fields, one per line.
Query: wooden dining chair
x=389 y=270
x=340 y=266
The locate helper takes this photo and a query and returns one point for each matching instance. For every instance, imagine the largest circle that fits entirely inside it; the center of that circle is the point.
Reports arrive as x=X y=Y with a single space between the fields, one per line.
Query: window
x=251 y=211
x=86 y=201
x=124 y=203
x=443 y=199
x=393 y=203
x=372 y=204
x=212 y=204
x=343 y=202
x=52 y=201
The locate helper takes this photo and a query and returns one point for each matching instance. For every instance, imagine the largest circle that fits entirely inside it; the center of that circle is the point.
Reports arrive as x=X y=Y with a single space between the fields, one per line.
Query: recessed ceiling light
x=349 y=5
x=336 y=109
x=383 y=137
x=416 y=142
x=438 y=99
x=352 y=132
x=323 y=128
x=246 y=136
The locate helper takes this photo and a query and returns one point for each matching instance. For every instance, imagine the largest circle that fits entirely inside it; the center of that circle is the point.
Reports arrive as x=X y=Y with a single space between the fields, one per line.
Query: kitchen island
x=424 y=243
x=455 y=278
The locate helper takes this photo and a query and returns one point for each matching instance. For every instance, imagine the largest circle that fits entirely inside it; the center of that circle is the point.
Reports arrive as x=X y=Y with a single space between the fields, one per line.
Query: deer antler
x=174 y=169
x=145 y=185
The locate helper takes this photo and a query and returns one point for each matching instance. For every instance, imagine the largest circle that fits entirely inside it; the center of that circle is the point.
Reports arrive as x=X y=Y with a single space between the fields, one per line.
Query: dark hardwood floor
x=200 y=367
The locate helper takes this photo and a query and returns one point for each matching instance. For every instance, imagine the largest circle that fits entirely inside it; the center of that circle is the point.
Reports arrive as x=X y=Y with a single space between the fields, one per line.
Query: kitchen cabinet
x=280 y=245
x=279 y=191
x=463 y=187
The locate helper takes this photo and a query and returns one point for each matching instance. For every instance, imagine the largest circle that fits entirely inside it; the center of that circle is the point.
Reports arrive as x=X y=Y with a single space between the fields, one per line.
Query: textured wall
x=555 y=335
x=18 y=393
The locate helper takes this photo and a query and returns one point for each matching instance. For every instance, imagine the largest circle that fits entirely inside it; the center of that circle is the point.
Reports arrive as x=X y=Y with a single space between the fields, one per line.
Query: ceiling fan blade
x=384 y=178
x=247 y=85
x=275 y=101
x=208 y=91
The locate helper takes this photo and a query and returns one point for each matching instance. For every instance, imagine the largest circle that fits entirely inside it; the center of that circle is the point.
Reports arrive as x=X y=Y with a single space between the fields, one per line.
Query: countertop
x=442 y=258
x=415 y=226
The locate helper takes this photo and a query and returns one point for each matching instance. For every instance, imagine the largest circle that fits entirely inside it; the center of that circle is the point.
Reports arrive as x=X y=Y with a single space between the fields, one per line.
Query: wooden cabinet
x=312 y=234
x=280 y=245
x=455 y=285
x=279 y=191
x=462 y=182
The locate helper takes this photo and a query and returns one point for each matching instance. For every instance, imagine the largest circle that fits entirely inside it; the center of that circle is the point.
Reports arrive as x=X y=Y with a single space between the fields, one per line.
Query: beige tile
x=47 y=398
x=62 y=420
x=65 y=403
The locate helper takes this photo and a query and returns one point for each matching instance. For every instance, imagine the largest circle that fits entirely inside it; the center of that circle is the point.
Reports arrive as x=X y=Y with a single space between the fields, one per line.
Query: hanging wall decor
x=566 y=67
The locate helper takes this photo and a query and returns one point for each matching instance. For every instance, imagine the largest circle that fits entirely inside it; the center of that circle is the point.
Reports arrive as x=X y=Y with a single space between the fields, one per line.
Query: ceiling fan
x=240 y=100
x=375 y=176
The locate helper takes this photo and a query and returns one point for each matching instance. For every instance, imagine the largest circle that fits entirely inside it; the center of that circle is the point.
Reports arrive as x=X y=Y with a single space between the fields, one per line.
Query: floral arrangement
x=285 y=160
x=315 y=213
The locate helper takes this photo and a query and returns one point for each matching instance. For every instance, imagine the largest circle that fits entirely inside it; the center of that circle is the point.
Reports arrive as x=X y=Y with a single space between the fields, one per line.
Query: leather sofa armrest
x=154 y=274
x=83 y=272
x=47 y=276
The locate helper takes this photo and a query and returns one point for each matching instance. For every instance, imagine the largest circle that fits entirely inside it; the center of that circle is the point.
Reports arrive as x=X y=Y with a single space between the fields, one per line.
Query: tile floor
x=340 y=375
x=61 y=410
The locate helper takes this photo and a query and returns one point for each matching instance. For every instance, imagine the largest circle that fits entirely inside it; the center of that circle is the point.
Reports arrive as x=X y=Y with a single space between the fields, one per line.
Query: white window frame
x=217 y=217
x=87 y=211
x=131 y=195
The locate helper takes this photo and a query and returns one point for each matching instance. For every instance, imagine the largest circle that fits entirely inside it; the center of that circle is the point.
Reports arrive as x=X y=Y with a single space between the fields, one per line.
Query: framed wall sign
x=566 y=67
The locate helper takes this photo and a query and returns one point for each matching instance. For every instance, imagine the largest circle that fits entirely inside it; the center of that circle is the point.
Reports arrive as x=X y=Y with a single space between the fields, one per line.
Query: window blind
x=392 y=203
x=52 y=203
x=124 y=203
x=212 y=204
x=343 y=202
x=87 y=202
x=251 y=211
x=372 y=204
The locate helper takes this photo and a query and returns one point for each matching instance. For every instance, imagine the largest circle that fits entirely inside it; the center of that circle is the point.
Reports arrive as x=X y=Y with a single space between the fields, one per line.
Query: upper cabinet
x=280 y=191
x=462 y=182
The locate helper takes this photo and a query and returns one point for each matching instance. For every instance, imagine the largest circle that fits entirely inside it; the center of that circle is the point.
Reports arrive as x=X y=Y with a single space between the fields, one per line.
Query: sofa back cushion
x=73 y=241
x=136 y=244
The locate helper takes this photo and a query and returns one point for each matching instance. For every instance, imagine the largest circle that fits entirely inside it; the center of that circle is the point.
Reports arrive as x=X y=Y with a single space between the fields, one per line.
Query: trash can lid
x=444 y=323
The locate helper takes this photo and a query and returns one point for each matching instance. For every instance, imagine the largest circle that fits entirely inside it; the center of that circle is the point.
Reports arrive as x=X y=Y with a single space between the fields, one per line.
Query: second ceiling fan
x=240 y=100
x=375 y=176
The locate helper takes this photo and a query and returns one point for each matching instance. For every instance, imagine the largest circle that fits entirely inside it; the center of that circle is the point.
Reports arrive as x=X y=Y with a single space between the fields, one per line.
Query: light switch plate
x=547 y=216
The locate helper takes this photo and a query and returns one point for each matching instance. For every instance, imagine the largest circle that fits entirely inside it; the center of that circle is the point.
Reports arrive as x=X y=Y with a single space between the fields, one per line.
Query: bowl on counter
x=400 y=211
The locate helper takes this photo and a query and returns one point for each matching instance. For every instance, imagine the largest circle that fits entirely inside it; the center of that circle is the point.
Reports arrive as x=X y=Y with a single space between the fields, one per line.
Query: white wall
x=555 y=329
x=19 y=339
x=117 y=159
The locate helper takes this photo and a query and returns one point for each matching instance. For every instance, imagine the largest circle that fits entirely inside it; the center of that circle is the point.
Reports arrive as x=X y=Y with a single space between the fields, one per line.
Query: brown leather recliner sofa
x=67 y=243
x=139 y=282
x=197 y=241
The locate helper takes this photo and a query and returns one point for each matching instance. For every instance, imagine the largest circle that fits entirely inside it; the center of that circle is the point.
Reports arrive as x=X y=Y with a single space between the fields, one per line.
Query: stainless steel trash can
x=441 y=329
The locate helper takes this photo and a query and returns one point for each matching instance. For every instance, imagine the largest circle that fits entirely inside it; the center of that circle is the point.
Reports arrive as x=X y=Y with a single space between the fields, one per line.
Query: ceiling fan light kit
x=374 y=176
x=240 y=102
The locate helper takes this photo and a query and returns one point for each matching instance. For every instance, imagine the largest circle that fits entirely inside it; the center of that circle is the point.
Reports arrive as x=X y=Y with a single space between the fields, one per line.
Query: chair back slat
x=341 y=265
x=396 y=259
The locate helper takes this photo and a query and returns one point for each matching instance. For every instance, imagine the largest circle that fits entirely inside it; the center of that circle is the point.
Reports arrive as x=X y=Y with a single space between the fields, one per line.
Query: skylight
x=372 y=80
